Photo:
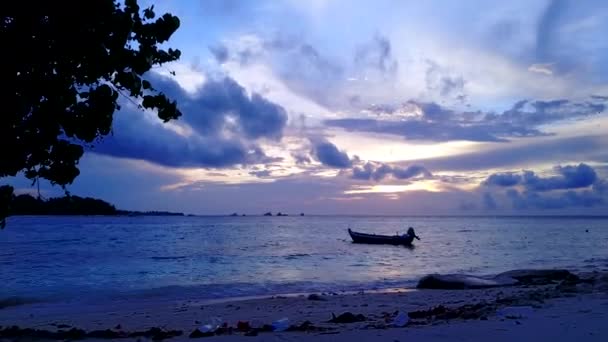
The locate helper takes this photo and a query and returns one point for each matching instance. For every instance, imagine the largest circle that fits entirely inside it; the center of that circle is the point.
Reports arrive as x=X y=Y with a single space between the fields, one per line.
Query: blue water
x=56 y=258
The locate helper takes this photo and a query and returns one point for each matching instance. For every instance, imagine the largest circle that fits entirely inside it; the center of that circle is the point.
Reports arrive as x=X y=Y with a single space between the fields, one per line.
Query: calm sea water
x=56 y=258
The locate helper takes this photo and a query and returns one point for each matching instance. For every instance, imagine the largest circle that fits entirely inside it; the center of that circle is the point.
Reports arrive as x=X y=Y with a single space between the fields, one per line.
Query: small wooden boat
x=405 y=239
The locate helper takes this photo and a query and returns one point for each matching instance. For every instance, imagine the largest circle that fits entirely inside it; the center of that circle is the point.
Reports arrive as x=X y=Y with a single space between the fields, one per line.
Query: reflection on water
x=236 y=256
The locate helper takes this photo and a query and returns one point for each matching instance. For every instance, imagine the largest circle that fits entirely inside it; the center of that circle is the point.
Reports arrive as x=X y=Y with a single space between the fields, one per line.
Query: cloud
x=135 y=137
x=503 y=179
x=221 y=123
x=376 y=55
x=379 y=171
x=329 y=155
x=599 y=97
x=261 y=174
x=522 y=153
x=570 y=177
x=601 y=187
x=545 y=36
x=220 y=53
x=541 y=68
x=433 y=122
x=302 y=65
x=533 y=200
x=576 y=186
x=301 y=158
x=442 y=81
x=223 y=104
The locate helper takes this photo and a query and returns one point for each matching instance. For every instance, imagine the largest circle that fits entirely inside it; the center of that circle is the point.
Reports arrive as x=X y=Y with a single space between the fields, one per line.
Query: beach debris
x=469 y=311
x=329 y=333
x=266 y=328
x=316 y=297
x=106 y=334
x=212 y=325
x=256 y=324
x=540 y=277
x=207 y=328
x=515 y=312
x=280 y=324
x=305 y=326
x=347 y=317
x=14 y=332
x=198 y=334
x=156 y=334
x=243 y=326
x=401 y=320
x=438 y=310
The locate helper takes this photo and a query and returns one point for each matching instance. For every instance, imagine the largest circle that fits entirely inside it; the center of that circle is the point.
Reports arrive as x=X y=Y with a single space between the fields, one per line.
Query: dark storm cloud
x=570 y=177
x=329 y=155
x=218 y=107
x=437 y=123
x=379 y=171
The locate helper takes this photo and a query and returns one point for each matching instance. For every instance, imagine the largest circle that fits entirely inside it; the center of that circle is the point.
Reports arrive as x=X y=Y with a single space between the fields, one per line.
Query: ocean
x=100 y=258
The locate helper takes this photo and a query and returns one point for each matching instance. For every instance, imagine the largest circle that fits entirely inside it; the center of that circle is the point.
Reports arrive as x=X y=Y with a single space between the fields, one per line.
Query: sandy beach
x=557 y=311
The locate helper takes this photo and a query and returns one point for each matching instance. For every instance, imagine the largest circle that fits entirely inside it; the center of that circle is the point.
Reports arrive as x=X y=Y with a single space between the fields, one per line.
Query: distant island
x=73 y=205
x=279 y=214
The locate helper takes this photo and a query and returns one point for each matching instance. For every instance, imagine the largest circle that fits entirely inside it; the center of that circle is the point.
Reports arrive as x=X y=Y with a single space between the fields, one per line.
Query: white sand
x=573 y=316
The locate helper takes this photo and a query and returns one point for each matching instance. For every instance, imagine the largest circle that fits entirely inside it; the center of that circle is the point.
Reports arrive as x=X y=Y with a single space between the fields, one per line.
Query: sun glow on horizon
x=424 y=185
x=384 y=148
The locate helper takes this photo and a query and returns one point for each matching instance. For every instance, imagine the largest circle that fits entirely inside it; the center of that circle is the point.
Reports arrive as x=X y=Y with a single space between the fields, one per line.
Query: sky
x=368 y=107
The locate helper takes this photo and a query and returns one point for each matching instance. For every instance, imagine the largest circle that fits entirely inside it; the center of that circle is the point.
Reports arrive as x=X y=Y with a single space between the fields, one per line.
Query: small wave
x=465 y=231
x=595 y=261
x=54 y=241
x=296 y=256
x=168 y=257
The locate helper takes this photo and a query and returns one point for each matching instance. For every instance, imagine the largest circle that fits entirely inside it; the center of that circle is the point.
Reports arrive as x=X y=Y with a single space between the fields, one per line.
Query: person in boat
x=411 y=232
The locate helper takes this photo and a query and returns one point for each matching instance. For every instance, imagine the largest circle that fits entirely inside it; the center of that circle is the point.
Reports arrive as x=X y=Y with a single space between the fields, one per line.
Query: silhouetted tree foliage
x=68 y=62
x=68 y=205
